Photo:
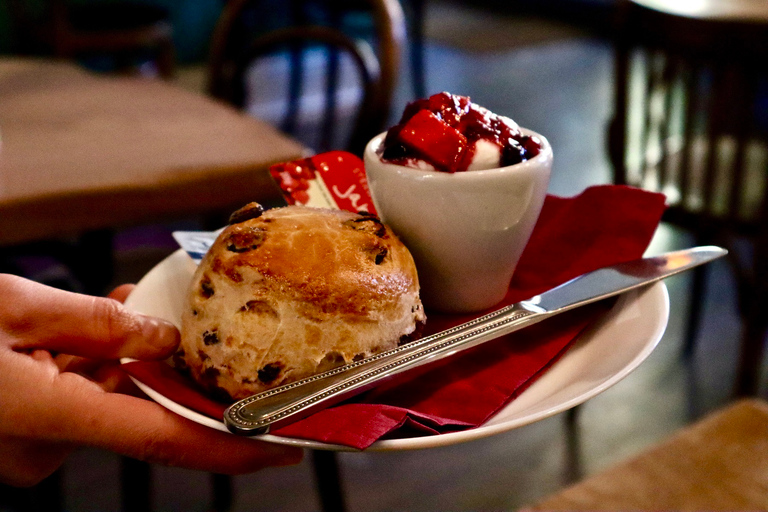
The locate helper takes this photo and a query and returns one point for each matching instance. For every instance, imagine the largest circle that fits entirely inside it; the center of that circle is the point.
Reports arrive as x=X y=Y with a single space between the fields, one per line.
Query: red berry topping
x=443 y=129
x=435 y=140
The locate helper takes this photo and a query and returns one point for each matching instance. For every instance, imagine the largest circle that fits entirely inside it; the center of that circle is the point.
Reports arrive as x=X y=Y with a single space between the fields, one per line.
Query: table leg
x=328 y=479
x=47 y=496
x=136 y=485
x=222 y=492
x=92 y=261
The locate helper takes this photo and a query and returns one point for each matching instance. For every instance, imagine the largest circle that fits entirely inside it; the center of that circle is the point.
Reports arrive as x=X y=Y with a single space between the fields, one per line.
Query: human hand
x=51 y=405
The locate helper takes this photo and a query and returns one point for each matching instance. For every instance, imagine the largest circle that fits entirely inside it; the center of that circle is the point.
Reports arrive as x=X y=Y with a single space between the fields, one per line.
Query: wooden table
x=719 y=463
x=82 y=152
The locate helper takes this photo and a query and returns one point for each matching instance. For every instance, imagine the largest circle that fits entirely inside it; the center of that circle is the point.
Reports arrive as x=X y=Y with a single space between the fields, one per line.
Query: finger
x=43 y=317
x=24 y=463
x=107 y=374
x=121 y=292
x=68 y=408
x=44 y=357
x=144 y=430
x=113 y=379
x=77 y=364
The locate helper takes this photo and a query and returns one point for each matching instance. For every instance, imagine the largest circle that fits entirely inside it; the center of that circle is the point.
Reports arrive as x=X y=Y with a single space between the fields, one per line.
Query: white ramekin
x=466 y=230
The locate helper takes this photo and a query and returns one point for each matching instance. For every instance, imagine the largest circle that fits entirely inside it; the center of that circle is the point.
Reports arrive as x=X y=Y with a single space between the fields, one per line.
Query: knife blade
x=260 y=413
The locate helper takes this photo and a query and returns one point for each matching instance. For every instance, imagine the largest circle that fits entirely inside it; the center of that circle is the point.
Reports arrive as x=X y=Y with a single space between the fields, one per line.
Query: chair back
x=313 y=81
x=129 y=32
x=691 y=114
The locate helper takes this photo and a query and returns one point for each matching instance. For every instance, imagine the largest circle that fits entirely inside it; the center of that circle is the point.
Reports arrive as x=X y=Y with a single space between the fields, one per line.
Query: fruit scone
x=293 y=291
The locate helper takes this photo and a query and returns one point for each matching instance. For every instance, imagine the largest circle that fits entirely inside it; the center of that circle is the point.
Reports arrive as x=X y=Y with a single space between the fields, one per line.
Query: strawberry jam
x=443 y=131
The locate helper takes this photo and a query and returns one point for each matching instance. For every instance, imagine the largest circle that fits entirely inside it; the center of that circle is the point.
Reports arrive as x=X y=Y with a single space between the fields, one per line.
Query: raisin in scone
x=293 y=291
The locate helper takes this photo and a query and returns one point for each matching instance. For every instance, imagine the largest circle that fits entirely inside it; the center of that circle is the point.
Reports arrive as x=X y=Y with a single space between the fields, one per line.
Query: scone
x=293 y=291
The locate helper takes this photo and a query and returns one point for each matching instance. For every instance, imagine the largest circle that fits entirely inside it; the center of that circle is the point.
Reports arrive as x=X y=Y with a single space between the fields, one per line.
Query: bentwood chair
x=691 y=121
x=128 y=32
x=331 y=77
x=337 y=80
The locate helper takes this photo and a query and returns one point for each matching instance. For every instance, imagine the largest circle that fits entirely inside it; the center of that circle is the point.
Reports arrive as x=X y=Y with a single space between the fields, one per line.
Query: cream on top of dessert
x=449 y=133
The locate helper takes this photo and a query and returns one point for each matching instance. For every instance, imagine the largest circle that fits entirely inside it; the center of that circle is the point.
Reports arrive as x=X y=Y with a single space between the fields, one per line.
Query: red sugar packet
x=335 y=179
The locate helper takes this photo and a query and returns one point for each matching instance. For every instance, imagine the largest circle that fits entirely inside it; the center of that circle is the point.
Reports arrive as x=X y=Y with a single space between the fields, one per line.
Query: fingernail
x=160 y=333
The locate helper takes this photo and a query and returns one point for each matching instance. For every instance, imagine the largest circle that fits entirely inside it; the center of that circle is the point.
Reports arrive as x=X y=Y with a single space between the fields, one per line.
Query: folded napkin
x=602 y=226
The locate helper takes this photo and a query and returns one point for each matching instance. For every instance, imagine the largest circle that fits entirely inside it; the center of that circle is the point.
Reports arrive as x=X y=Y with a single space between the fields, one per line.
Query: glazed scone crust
x=295 y=291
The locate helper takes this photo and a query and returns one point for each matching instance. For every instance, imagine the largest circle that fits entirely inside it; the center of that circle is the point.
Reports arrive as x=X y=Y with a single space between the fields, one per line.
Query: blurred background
x=670 y=96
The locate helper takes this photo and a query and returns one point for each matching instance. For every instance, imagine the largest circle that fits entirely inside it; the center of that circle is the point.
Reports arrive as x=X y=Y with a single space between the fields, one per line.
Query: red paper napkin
x=602 y=226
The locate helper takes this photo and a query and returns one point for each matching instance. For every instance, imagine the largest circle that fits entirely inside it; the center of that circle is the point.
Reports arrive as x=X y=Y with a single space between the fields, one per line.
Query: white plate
x=600 y=358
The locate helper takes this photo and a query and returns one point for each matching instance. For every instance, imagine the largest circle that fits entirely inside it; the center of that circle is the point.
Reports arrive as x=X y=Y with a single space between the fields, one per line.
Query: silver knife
x=271 y=409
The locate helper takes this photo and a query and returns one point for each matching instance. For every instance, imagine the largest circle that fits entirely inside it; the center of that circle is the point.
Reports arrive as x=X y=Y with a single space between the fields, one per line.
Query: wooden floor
x=560 y=87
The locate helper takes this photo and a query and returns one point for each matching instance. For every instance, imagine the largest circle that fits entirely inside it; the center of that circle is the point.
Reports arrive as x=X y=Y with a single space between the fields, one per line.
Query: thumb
x=41 y=317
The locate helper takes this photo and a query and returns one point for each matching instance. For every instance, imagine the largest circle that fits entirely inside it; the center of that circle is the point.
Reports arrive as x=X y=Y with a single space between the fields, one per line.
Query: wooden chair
x=691 y=121
x=717 y=463
x=124 y=31
x=321 y=63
